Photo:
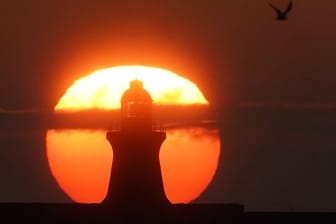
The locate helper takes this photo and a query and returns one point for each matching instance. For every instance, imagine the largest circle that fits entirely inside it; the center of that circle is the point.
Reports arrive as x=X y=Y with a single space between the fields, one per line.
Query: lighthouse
x=135 y=177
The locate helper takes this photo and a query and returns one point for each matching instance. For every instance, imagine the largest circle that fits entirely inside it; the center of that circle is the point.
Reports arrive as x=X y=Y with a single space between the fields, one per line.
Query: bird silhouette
x=282 y=15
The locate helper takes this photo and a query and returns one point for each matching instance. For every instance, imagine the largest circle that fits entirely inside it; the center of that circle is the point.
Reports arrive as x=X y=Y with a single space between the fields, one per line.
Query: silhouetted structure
x=136 y=193
x=282 y=15
x=136 y=174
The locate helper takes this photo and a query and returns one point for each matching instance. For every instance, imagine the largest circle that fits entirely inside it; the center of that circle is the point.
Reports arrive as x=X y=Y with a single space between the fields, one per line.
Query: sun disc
x=80 y=160
x=103 y=88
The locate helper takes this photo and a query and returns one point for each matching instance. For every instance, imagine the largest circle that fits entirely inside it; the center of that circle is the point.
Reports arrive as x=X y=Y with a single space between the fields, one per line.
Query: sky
x=270 y=83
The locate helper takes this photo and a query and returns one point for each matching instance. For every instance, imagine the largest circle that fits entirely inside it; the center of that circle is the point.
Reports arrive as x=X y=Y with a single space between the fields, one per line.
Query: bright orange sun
x=81 y=160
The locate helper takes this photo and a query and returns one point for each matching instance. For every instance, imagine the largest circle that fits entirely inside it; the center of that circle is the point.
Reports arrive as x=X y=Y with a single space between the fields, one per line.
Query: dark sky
x=235 y=51
x=46 y=45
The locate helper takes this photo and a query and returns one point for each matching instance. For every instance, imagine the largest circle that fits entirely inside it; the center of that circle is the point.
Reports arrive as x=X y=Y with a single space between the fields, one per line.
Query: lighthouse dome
x=136 y=93
x=136 y=108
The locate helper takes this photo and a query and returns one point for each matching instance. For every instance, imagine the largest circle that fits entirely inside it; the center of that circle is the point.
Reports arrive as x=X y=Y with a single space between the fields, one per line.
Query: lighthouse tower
x=136 y=174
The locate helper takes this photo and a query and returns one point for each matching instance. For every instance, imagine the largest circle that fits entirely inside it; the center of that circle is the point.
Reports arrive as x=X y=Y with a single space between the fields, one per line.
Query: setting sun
x=80 y=160
x=103 y=89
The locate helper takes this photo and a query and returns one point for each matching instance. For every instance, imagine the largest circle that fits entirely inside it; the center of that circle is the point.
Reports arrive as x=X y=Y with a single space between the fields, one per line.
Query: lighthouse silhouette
x=136 y=173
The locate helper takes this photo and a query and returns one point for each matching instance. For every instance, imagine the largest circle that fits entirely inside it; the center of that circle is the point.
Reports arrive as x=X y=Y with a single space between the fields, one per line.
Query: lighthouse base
x=136 y=173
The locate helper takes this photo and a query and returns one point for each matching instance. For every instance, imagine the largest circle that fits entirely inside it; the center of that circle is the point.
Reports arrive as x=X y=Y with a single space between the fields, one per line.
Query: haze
x=235 y=51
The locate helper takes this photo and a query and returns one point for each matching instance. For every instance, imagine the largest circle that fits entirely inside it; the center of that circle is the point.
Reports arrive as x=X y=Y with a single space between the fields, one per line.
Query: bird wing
x=278 y=11
x=289 y=8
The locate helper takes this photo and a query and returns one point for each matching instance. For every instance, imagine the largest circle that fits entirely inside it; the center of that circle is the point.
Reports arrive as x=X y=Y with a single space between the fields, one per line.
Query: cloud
x=170 y=116
x=286 y=105
x=207 y=124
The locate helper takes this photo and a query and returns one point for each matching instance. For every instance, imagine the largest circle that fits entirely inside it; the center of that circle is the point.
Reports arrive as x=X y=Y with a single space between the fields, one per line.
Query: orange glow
x=188 y=160
x=103 y=89
x=80 y=160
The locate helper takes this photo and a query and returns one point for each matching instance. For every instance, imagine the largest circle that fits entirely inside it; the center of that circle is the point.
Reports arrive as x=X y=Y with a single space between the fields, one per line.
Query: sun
x=103 y=89
x=81 y=160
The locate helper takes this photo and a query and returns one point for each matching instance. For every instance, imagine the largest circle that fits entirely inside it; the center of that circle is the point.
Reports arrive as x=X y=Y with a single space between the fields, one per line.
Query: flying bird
x=282 y=15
